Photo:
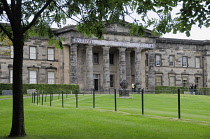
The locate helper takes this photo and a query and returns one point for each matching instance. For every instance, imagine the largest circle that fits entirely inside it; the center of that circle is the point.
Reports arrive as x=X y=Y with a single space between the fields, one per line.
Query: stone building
x=102 y=64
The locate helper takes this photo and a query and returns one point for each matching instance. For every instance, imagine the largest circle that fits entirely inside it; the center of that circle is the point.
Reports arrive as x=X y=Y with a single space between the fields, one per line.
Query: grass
x=85 y=122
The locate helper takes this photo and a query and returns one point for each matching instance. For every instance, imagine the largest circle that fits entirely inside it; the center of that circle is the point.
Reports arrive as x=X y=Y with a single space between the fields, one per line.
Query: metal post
x=142 y=100
x=115 y=99
x=179 y=114
x=76 y=94
x=93 y=98
x=50 y=99
x=42 y=97
x=32 y=96
x=62 y=100
x=37 y=98
x=46 y=97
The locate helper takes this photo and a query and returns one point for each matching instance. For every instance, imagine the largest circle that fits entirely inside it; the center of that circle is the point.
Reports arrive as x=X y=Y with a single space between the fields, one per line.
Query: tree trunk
x=18 y=129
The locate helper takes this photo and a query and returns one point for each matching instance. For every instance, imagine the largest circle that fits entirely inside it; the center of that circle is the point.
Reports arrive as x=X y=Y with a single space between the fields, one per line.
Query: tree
x=29 y=17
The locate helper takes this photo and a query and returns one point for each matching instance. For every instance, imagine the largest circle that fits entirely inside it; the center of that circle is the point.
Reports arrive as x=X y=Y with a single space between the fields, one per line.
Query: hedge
x=174 y=89
x=44 y=87
x=170 y=89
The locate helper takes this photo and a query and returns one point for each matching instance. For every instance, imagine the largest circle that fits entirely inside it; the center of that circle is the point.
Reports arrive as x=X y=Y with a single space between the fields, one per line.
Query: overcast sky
x=196 y=34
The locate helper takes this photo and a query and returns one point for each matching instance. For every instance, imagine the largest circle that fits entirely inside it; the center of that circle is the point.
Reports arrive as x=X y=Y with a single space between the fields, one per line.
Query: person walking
x=133 y=87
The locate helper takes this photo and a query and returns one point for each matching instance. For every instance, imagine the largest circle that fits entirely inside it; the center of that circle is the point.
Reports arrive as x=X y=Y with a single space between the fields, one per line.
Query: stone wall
x=41 y=64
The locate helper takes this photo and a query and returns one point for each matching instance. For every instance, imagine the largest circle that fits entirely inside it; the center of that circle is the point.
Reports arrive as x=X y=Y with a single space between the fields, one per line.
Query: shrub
x=170 y=89
x=45 y=87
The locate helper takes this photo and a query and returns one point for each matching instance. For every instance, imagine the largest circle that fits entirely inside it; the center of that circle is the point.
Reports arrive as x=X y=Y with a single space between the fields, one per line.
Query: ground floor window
x=96 y=81
x=197 y=81
x=158 y=80
x=172 y=81
x=32 y=76
x=51 y=77
x=184 y=81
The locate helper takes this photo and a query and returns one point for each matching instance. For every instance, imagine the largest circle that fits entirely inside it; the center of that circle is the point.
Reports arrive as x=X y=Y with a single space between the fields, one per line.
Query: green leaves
x=93 y=15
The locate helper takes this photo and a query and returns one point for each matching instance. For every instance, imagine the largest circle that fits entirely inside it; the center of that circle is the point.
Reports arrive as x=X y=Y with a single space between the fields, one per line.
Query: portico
x=106 y=63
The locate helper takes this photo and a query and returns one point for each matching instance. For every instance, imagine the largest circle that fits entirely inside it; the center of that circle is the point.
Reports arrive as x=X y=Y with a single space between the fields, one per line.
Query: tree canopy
x=24 y=18
x=92 y=15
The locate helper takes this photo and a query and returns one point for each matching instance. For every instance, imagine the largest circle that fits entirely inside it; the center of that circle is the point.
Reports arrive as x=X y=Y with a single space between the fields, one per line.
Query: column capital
x=128 y=51
x=122 y=48
x=74 y=45
x=138 y=49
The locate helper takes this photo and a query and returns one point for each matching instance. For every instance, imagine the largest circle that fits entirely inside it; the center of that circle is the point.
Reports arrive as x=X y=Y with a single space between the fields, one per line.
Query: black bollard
x=76 y=94
x=37 y=98
x=50 y=99
x=115 y=99
x=142 y=100
x=62 y=100
x=179 y=106
x=93 y=98
x=32 y=96
x=42 y=97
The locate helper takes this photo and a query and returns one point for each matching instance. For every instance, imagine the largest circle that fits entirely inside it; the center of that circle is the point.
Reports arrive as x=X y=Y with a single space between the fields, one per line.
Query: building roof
x=182 y=41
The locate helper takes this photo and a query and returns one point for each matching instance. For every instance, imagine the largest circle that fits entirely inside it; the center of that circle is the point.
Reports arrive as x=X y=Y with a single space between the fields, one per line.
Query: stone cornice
x=182 y=41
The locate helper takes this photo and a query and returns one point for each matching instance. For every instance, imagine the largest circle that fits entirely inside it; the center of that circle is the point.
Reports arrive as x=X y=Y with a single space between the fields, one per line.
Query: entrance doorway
x=96 y=81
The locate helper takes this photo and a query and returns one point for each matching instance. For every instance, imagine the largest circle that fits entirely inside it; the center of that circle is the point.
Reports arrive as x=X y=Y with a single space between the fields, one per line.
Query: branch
x=59 y=7
x=37 y=16
x=7 y=9
x=5 y=31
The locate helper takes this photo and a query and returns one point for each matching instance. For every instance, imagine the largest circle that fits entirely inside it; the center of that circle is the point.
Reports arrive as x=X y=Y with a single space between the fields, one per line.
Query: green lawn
x=102 y=122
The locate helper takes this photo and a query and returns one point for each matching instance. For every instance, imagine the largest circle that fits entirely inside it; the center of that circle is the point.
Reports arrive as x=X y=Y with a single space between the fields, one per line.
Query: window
x=111 y=58
x=197 y=62
x=50 y=53
x=172 y=81
x=184 y=61
x=197 y=81
x=158 y=60
x=32 y=76
x=158 y=80
x=184 y=81
x=171 y=61
x=32 y=52
x=11 y=76
x=111 y=80
x=11 y=51
x=146 y=60
x=95 y=58
x=51 y=77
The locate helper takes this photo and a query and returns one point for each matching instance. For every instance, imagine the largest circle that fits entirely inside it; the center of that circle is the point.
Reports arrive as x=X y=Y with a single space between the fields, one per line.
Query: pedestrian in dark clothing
x=195 y=88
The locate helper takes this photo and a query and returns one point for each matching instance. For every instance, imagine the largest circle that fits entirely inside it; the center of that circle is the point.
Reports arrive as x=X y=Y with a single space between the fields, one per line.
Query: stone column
x=81 y=74
x=73 y=65
x=122 y=64
x=106 y=74
x=128 y=67
x=89 y=67
x=138 y=67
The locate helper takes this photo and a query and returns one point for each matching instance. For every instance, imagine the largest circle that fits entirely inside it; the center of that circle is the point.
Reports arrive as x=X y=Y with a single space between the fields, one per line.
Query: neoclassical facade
x=147 y=61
